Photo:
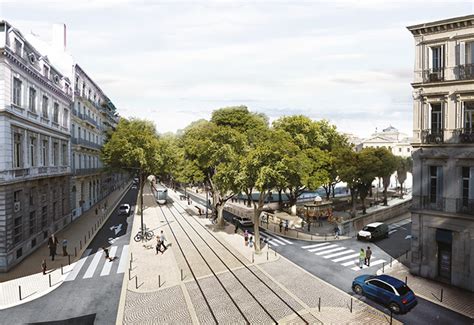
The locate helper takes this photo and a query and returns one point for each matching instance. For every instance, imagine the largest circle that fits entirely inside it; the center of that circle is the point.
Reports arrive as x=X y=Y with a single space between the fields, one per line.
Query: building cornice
x=442 y=25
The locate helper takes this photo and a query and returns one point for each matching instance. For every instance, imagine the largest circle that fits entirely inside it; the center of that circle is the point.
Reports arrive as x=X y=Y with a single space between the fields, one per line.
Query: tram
x=161 y=193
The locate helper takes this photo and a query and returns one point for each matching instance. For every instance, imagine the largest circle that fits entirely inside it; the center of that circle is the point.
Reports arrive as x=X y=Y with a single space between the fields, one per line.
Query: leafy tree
x=368 y=167
x=346 y=162
x=386 y=167
x=404 y=165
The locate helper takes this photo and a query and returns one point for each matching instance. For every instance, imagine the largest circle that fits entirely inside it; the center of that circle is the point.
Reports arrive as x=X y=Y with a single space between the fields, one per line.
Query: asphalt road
x=323 y=266
x=92 y=296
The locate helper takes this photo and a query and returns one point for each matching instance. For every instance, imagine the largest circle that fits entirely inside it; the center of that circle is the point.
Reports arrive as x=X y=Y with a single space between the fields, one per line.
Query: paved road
x=92 y=290
x=336 y=263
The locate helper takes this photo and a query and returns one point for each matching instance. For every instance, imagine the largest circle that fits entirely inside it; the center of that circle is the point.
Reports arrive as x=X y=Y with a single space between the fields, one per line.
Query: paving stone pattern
x=165 y=306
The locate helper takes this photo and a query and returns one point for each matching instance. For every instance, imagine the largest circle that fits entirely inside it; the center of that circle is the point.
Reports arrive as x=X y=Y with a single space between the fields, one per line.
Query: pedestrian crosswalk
x=92 y=263
x=346 y=257
x=274 y=240
x=395 y=226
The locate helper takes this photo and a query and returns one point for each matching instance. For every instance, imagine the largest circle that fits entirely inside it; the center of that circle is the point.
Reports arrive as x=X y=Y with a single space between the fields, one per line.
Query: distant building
x=398 y=143
x=443 y=129
x=35 y=100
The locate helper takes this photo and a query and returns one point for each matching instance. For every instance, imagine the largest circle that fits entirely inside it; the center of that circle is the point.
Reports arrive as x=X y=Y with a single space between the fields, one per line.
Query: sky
x=175 y=61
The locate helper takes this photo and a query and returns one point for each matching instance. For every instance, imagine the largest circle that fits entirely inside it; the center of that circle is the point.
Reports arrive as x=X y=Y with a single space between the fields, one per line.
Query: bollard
x=19 y=291
x=267 y=255
x=75 y=252
x=49 y=280
x=62 y=270
x=159 y=281
x=390 y=262
x=441 y=294
x=129 y=274
x=383 y=267
x=351 y=304
x=391 y=312
x=136 y=282
x=319 y=304
x=68 y=259
x=252 y=257
x=181 y=274
x=131 y=256
x=80 y=245
x=406 y=280
x=130 y=265
x=89 y=233
x=85 y=240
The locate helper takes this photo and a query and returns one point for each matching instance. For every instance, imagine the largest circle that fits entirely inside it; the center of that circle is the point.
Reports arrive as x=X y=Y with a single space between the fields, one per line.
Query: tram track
x=267 y=290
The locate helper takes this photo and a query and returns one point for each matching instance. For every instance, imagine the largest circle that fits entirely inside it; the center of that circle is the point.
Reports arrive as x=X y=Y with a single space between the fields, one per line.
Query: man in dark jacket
x=52 y=244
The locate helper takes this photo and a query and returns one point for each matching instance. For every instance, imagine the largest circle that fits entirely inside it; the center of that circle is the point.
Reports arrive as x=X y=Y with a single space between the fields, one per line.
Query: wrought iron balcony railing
x=465 y=205
x=437 y=203
x=464 y=72
x=433 y=75
x=432 y=136
x=466 y=135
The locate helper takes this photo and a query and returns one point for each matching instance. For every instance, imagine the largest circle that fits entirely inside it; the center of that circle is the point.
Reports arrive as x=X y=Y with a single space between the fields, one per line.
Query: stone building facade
x=35 y=100
x=443 y=142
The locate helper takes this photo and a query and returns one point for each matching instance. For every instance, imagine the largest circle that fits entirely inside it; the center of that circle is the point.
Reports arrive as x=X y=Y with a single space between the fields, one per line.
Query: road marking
x=312 y=246
x=345 y=257
x=330 y=251
x=408 y=237
x=79 y=264
x=321 y=248
x=108 y=265
x=280 y=238
x=339 y=254
x=357 y=268
x=123 y=260
x=351 y=262
x=91 y=269
x=392 y=231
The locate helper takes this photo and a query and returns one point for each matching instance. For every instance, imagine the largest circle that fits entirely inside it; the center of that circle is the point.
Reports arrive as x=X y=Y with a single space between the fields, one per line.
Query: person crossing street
x=368 y=254
x=361 y=258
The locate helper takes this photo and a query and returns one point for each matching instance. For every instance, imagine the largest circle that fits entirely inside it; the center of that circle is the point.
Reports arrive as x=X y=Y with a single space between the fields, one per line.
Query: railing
x=22 y=173
x=466 y=135
x=465 y=205
x=464 y=72
x=432 y=136
x=429 y=203
x=86 y=171
x=433 y=75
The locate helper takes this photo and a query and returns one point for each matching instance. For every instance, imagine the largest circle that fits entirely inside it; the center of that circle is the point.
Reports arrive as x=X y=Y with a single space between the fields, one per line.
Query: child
x=251 y=241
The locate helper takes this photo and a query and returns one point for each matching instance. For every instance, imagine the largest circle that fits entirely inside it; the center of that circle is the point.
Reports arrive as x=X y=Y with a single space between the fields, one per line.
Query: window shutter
x=462 y=53
x=430 y=58
x=442 y=65
x=439 y=185
x=471 y=184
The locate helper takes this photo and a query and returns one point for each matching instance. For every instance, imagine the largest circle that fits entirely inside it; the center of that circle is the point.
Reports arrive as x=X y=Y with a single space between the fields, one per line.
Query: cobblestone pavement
x=456 y=299
x=152 y=303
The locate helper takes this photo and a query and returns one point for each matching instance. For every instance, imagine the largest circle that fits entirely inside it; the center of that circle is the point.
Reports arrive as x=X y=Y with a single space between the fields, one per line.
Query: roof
x=375 y=224
x=442 y=25
x=391 y=280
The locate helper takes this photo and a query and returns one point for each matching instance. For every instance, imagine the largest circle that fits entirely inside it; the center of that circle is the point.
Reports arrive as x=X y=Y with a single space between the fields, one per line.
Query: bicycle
x=147 y=235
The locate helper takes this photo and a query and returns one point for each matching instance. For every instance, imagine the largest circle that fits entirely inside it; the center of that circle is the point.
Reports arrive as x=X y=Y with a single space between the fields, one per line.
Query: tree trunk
x=353 y=201
x=292 y=199
x=401 y=190
x=386 y=183
x=280 y=199
x=220 y=215
x=257 y=210
x=333 y=192
x=327 y=189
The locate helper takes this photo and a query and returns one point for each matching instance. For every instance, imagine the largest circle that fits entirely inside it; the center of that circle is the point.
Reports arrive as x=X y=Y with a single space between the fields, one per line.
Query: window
x=17 y=91
x=76 y=85
x=18 y=47
x=64 y=154
x=55 y=154
x=73 y=162
x=436 y=118
x=437 y=58
x=78 y=132
x=434 y=189
x=80 y=161
x=44 y=153
x=83 y=89
x=17 y=230
x=44 y=217
x=32 y=222
x=408 y=149
x=32 y=100
x=469 y=53
x=65 y=117
x=17 y=196
x=32 y=196
x=44 y=106
x=399 y=149
x=466 y=175
x=469 y=117
x=46 y=71
x=17 y=150
x=56 y=113
x=32 y=151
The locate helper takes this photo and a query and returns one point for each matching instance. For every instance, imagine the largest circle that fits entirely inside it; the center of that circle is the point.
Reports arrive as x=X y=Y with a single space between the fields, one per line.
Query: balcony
x=25 y=173
x=432 y=136
x=464 y=72
x=433 y=75
x=465 y=206
x=428 y=203
x=86 y=171
x=466 y=135
x=86 y=143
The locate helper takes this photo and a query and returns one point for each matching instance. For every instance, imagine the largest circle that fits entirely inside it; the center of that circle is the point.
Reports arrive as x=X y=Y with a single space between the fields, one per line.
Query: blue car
x=386 y=289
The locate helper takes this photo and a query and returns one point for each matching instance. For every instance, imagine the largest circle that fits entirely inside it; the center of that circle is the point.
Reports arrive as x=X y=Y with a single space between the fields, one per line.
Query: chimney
x=59 y=37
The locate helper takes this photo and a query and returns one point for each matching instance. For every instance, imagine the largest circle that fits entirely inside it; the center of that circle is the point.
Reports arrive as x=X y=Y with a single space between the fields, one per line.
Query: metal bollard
x=19 y=291
x=131 y=256
x=130 y=265
x=49 y=280
x=267 y=255
x=62 y=270
x=441 y=295
x=136 y=282
x=129 y=274
x=252 y=257
x=75 y=252
x=89 y=233
x=406 y=279
x=390 y=262
x=181 y=274
x=351 y=304
x=85 y=240
x=325 y=236
x=383 y=267
x=319 y=304
x=159 y=281
x=80 y=245
x=391 y=312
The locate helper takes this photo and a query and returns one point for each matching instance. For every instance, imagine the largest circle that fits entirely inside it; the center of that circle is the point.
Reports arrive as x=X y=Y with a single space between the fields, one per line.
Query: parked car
x=390 y=291
x=124 y=209
x=134 y=187
x=373 y=231
x=243 y=222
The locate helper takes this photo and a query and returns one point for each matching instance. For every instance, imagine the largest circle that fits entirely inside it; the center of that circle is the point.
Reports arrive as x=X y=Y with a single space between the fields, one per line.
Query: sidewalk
x=28 y=273
x=456 y=299
x=157 y=291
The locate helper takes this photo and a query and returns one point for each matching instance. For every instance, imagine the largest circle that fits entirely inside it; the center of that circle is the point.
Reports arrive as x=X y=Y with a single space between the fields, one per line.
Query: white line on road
x=345 y=257
x=351 y=262
x=339 y=254
x=321 y=248
x=72 y=276
x=316 y=245
x=108 y=265
x=123 y=260
x=357 y=268
x=280 y=238
x=91 y=269
x=392 y=231
x=331 y=251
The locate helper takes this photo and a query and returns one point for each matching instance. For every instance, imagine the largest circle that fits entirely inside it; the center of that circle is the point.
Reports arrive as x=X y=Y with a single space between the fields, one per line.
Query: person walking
x=336 y=232
x=246 y=237
x=361 y=258
x=251 y=242
x=43 y=266
x=287 y=223
x=236 y=224
x=52 y=244
x=158 y=245
x=368 y=254
x=106 y=252
x=281 y=225
x=64 y=244
x=162 y=240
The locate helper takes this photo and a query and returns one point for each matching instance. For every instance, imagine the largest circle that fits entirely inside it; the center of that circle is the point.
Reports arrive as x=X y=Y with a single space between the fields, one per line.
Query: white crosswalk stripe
x=392 y=231
x=108 y=265
x=123 y=260
x=339 y=253
x=312 y=250
x=95 y=261
x=77 y=268
x=345 y=257
x=331 y=251
x=279 y=238
x=357 y=268
x=351 y=262
x=313 y=246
